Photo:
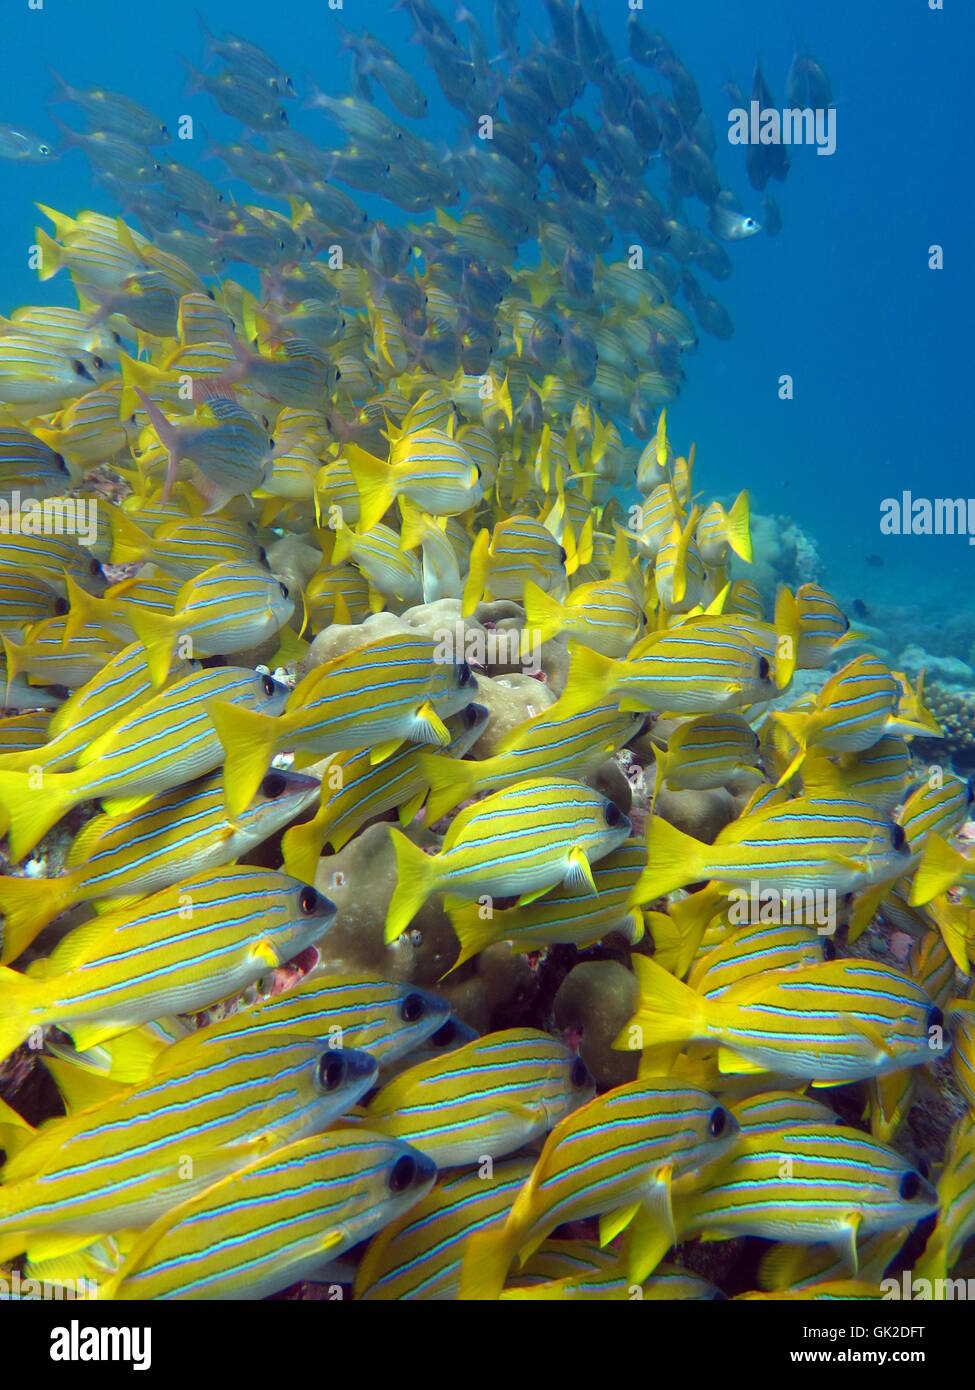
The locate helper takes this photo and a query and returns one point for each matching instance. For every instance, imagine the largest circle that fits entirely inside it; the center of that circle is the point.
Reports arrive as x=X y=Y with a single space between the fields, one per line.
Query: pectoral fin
x=579 y=874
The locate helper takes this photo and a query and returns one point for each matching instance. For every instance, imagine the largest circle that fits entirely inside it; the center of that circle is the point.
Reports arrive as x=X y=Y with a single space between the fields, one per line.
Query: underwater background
x=879 y=346
x=670 y=734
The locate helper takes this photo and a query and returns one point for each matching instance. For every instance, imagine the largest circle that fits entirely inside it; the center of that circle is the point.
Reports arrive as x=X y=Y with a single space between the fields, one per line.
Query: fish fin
x=865 y=909
x=475 y=583
x=652 y=1232
x=731 y=1063
x=266 y=953
x=534 y=895
x=15 y=1132
x=673 y=859
x=169 y=438
x=156 y=633
x=738 y=527
x=291 y=647
x=579 y=873
x=79 y=1087
x=941 y=868
x=872 y=1033
x=428 y=727
x=381 y=751
x=543 y=614
x=787 y=636
x=592 y=677
x=409 y=809
x=375 y=483
x=133 y=1055
x=611 y=1223
x=250 y=741
x=416 y=878
x=33 y=807
x=451 y=780
x=87 y=1035
x=130 y=544
x=302 y=847
x=669 y=1011
x=474 y=932
x=661 y=760
x=28 y=904
x=487 y=1259
x=846 y=1244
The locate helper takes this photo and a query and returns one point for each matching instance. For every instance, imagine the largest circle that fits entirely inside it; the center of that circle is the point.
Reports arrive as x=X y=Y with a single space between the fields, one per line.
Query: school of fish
x=288 y=419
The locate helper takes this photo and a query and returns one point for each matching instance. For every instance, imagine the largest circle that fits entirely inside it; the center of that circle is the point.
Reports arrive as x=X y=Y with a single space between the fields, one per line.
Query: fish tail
x=14 y=656
x=476 y=574
x=591 y=678
x=787 y=636
x=738 y=528
x=82 y=608
x=168 y=438
x=661 y=759
x=15 y=1132
x=28 y=904
x=52 y=255
x=543 y=613
x=33 y=801
x=941 y=867
x=130 y=544
x=794 y=722
x=487 y=1259
x=416 y=877
x=249 y=741
x=135 y=374
x=301 y=846
x=673 y=859
x=342 y=546
x=16 y=995
x=669 y=1011
x=451 y=780
x=156 y=632
x=473 y=931
x=376 y=484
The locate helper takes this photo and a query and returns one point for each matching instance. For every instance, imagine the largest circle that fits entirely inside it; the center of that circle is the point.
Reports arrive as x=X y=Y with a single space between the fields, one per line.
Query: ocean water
x=843 y=300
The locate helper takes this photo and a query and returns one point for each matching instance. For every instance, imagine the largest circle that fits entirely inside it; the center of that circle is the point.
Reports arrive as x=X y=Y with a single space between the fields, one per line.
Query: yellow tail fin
x=158 y=633
x=487 y=1259
x=451 y=781
x=28 y=904
x=476 y=574
x=669 y=1011
x=416 y=879
x=250 y=741
x=592 y=677
x=33 y=801
x=543 y=613
x=739 y=527
x=673 y=859
x=376 y=484
x=787 y=637
x=17 y=1019
x=941 y=868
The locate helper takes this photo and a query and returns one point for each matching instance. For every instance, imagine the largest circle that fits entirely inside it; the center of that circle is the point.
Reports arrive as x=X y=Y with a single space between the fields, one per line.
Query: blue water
x=843 y=300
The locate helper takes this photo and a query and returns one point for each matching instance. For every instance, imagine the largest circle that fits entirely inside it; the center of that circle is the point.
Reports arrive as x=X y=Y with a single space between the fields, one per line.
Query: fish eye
x=613 y=814
x=61 y=606
x=211 y=295
x=717 y=1121
x=79 y=367
x=829 y=950
x=273 y=785
x=164 y=130
x=43 y=149
x=935 y=1019
x=284 y=591
x=464 y=674
x=308 y=900
x=412 y=1008
x=331 y=1071
x=899 y=839
x=471 y=715
x=763 y=668
x=268 y=685
x=60 y=464
x=563 y=555
x=338 y=374
x=910 y=1186
x=270 y=442
x=98 y=363
x=94 y=567
x=444 y=1036
x=580 y=1074
x=402 y=1173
